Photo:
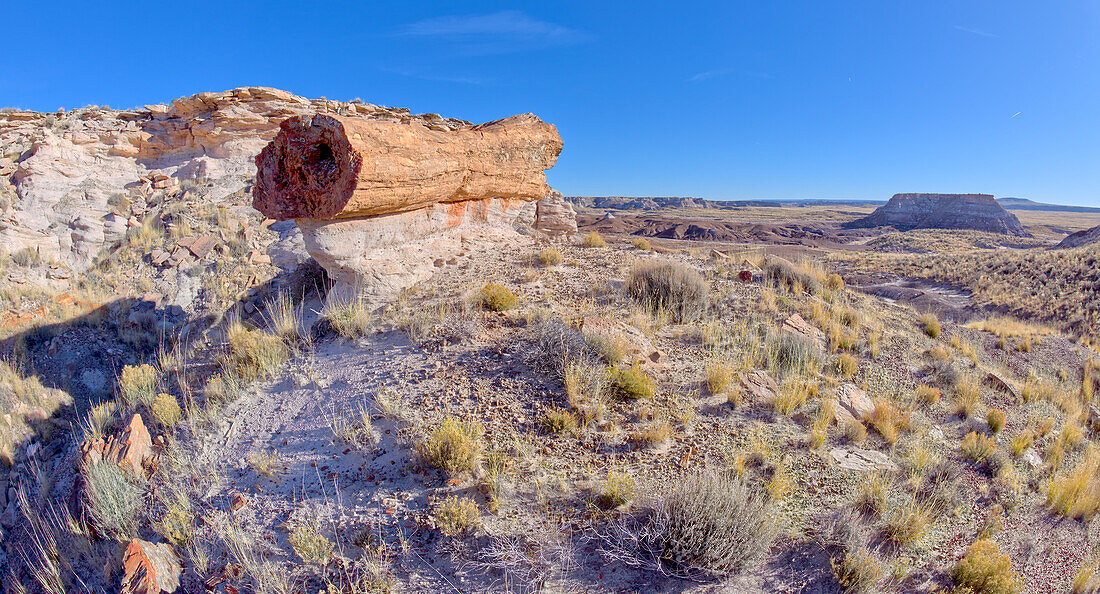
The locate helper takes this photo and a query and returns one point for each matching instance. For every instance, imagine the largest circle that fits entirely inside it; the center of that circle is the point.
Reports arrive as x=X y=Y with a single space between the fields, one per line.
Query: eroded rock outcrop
x=1080 y=238
x=379 y=203
x=72 y=183
x=979 y=212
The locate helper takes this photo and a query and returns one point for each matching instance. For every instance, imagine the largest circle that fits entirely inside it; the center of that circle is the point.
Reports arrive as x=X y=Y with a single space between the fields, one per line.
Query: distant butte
x=979 y=212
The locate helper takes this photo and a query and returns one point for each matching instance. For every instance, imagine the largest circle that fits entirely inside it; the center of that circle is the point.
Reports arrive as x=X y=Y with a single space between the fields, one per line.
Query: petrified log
x=334 y=167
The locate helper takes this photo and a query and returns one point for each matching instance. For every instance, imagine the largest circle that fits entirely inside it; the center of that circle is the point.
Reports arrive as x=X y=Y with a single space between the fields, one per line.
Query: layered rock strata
x=979 y=212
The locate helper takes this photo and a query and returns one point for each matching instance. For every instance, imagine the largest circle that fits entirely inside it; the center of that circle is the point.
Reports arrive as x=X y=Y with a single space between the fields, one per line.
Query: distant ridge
x=659 y=202
x=1012 y=203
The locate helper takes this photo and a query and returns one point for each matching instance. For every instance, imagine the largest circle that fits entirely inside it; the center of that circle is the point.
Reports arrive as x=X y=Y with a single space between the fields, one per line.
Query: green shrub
x=114 y=500
x=931 y=325
x=593 y=240
x=787 y=352
x=984 y=569
x=550 y=257
x=632 y=383
x=857 y=572
x=457 y=515
x=454 y=446
x=616 y=489
x=255 y=353
x=166 y=410
x=641 y=243
x=559 y=421
x=713 y=524
x=137 y=383
x=178 y=521
x=669 y=288
x=496 y=297
x=310 y=545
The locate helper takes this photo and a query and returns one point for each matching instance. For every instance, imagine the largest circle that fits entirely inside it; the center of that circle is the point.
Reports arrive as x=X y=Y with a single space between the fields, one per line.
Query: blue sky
x=724 y=100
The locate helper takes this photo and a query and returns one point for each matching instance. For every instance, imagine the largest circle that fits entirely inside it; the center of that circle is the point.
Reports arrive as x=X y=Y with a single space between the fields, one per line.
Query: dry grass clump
x=22 y=399
x=908 y=522
x=928 y=394
x=888 y=420
x=255 y=353
x=978 y=446
x=967 y=393
x=632 y=383
x=996 y=419
x=265 y=462
x=1087 y=579
x=348 y=315
x=714 y=524
x=984 y=569
x=820 y=428
x=847 y=365
x=559 y=421
x=178 y=521
x=792 y=395
x=137 y=383
x=594 y=240
x=718 y=375
x=803 y=276
x=114 y=500
x=284 y=316
x=1022 y=442
x=454 y=446
x=1010 y=327
x=457 y=515
x=786 y=352
x=166 y=410
x=1076 y=494
x=616 y=489
x=857 y=572
x=668 y=288
x=496 y=297
x=834 y=282
x=310 y=545
x=550 y=257
x=641 y=243
x=931 y=325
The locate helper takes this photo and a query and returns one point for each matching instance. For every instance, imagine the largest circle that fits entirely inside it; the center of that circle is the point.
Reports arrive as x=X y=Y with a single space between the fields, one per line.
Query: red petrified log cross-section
x=328 y=167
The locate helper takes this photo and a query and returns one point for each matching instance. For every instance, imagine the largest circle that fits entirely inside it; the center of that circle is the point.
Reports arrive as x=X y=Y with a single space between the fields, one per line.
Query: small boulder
x=852 y=458
x=149 y=568
x=130 y=448
x=853 y=404
x=798 y=325
x=758 y=385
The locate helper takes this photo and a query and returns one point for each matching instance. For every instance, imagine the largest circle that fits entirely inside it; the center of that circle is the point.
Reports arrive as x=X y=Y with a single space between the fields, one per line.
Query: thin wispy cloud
x=719 y=72
x=508 y=30
x=973 y=31
x=708 y=74
x=409 y=73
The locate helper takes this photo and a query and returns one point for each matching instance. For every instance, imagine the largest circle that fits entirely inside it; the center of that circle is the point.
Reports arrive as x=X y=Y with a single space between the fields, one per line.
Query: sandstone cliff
x=943 y=211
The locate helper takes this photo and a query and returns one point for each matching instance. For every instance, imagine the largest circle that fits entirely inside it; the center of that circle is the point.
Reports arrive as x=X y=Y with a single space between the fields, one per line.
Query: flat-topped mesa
x=326 y=167
x=943 y=211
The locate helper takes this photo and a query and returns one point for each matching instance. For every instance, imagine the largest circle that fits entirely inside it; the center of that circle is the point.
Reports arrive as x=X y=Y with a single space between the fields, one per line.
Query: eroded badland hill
x=259 y=343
